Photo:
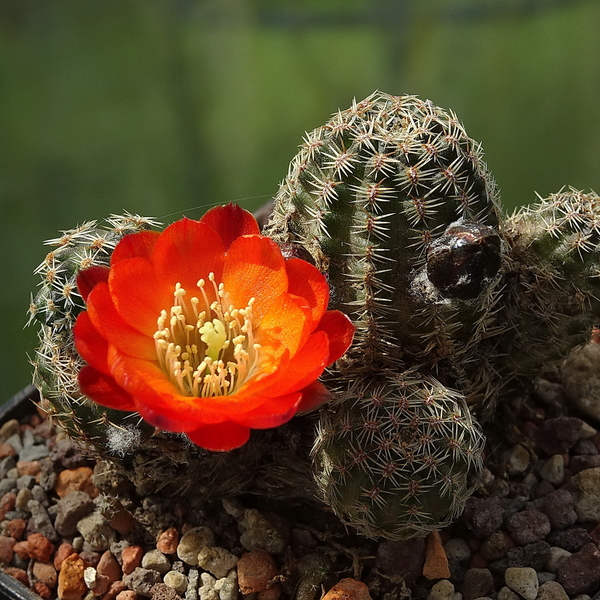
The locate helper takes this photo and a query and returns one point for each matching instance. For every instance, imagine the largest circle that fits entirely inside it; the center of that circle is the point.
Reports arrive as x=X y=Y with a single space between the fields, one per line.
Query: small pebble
x=348 y=589
x=40 y=521
x=483 y=516
x=495 y=546
x=558 y=506
x=157 y=561
x=586 y=495
x=436 y=561
x=457 y=549
x=217 y=561
x=228 y=588
x=255 y=570
x=141 y=580
x=178 y=581
x=191 y=593
x=523 y=581
x=477 y=583
x=517 y=459
x=257 y=531
x=573 y=539
x=109 y=567
x=39 y=547
x=580 y=572
x=168 y=540
x=553 y=470
x=192 y=542
x=528 y=527
x=6 y=548
x=70 y=509
x=79 y=479
x=552 y=590
x=131 y=558
x=506 y=593
x=46 y=573
x=556 y=557
x=71 y=583
x=442 y=590
x=207 y=591
x=96 y=531
x=64 y=550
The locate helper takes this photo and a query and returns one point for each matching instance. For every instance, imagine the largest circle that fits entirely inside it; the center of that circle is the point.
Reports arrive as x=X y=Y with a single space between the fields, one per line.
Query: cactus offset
x=395 y=455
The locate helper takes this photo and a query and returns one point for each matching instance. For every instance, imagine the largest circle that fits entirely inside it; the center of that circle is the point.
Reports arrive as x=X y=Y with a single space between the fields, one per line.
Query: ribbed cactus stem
x=393 y=455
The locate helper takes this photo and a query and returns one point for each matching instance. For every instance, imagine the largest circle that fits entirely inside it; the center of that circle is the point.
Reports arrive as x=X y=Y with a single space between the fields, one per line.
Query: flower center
x=206 y=348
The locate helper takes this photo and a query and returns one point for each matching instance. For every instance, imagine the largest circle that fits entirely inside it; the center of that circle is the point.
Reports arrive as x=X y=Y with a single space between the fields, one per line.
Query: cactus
x=56 y=306
x=455 y=306
x=395 y=455
x=552 y=280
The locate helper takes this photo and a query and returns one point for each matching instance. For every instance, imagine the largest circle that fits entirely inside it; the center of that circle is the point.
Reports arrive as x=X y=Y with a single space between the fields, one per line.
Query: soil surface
x=530 y=531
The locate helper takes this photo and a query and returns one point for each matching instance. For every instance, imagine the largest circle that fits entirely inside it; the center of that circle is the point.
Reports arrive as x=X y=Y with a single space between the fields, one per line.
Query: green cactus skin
x=552 y=281
x=56 y=306
x=395 y=454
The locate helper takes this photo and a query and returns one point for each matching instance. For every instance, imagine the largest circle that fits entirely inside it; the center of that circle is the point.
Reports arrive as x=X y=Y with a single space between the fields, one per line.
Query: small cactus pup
x=552 y=280
x=55 y=309
x=204 y=331
x=395 y=455
x=392 y=200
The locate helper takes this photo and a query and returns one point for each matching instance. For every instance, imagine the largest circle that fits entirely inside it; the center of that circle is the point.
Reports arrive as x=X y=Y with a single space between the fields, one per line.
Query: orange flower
x=206 y=329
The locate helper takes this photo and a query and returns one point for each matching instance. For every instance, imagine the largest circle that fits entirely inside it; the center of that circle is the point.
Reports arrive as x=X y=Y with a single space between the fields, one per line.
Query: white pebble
x=156 y=561
x=90 y=576
x=523 y=581
x=177 y=581
x=217 y=561
x=228 y=587
x=192 y=542
x=442 y=590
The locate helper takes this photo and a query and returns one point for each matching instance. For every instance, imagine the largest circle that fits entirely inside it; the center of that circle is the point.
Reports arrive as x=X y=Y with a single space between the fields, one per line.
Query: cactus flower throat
x=205 y=328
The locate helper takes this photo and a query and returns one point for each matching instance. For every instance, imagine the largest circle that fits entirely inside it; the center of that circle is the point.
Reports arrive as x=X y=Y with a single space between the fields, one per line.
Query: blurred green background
x=165 y=107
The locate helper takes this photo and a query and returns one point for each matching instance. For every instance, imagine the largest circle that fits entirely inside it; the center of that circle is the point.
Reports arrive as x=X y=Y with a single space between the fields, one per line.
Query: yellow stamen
x=206 y=348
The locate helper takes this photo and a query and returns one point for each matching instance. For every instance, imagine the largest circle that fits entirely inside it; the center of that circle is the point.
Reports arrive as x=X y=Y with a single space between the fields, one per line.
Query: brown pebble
x=126 y=595
x=255 y=570
x=271 y=593
x=71 y=585
x=109 y=567
x=79 y=479
x=7 y=450
x=46 y=573
x=18 y=574
x=168 y=540
x=42 y=590
x=348 y=589
x=131 y=558
x=114 y=589
x=7 y=502
x=436 y=561
x=6 y=548
x=21 y=549
x=121 y=520
x=102 y=584
x=15 y=528
x=64 y=550
x=39 y=547
x=28 y=467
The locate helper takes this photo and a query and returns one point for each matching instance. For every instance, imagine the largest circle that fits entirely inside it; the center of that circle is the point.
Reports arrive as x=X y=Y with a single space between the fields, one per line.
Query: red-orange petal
x=313 y=397
x=305 y=366
x=220 y=438
x=187 y=251
x=340 y=330
x=139 y=244
x=88 y=279
x=104 y=390
x=308 y=282
x=285 y=326
x=254 y=268
x=230 y=222
x=272 y=412
x=91 y=346
x=138 y=295
x=113 y=328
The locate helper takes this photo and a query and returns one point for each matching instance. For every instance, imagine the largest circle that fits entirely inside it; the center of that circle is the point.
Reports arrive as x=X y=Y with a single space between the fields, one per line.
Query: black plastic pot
x=18 y=406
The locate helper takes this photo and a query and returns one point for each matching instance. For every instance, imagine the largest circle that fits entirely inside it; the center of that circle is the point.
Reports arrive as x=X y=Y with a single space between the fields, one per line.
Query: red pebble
x=109 y=567
x=18 y=574
x=7 y=502
x=6 y=548
x=15 y=528
x=255 y=571
x=114 y=589
x=79 y=479
x=168 y=540
x=28 y=467
x=131 y=558
x=40 y=547
x=42 y=590
x=7 y=450
x=21 y=549
x=64 y=550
